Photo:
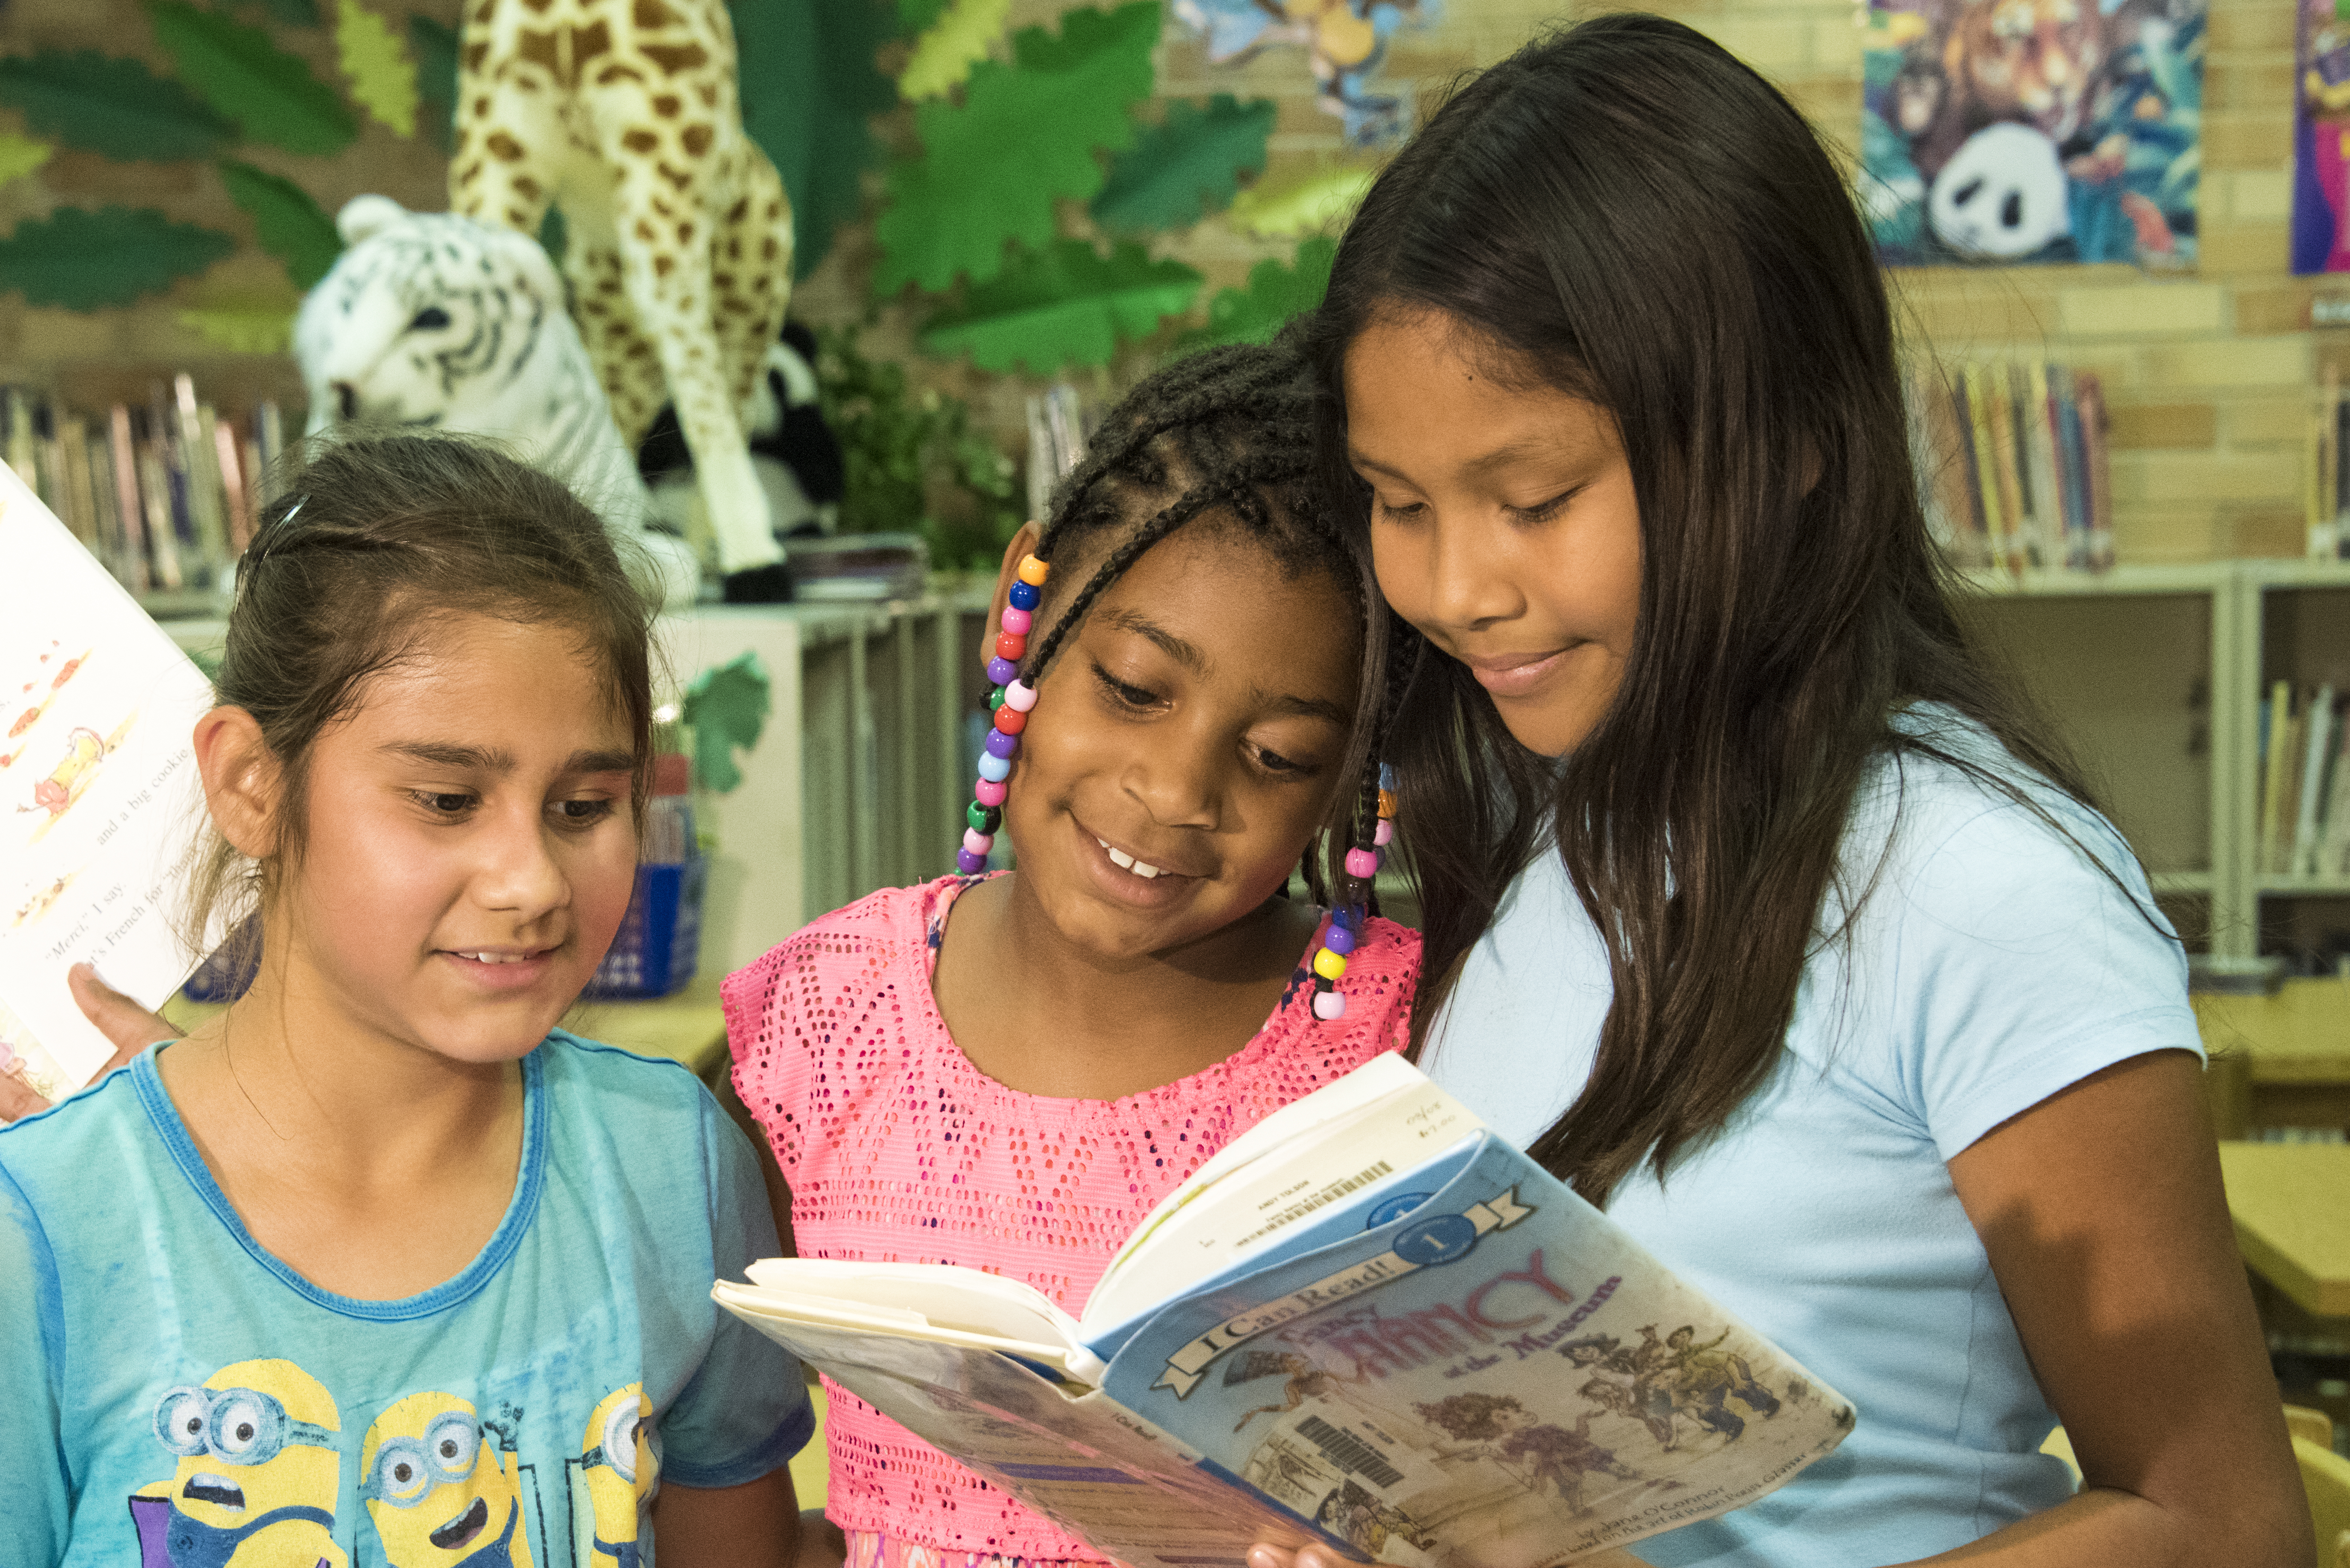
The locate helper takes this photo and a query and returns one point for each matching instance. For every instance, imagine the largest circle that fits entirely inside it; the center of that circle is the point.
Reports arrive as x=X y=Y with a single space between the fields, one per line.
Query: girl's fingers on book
x=128 y=1026
x=1262 y=1555
x=17 y=1102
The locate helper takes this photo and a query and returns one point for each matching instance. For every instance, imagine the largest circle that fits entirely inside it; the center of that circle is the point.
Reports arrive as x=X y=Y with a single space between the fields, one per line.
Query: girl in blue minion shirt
x=382 y=1267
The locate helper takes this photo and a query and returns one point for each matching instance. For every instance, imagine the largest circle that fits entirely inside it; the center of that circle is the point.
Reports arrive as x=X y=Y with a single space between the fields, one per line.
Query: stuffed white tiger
x=432 y=321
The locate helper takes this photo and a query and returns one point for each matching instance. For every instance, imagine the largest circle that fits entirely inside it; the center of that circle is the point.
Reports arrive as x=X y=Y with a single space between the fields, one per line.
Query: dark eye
x=581 y=812
x=1131 y=696
x=443 y=805
x=432 y=318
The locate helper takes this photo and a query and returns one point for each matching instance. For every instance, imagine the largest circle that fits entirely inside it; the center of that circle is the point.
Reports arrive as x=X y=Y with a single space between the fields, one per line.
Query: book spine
x=1962 y=448
x=1986 y=468
x=235 y=500
x=2319 y=499
x=2010 y=483
x=155 y=496
x=2317 y=747
x=73 y=441
x=194 y=431
x=2091 y=395
x=131 y=514
x=2272 y=769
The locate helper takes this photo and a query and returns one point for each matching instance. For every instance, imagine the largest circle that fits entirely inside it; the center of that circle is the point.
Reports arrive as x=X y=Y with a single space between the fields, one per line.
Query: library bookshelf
x=2156 y=673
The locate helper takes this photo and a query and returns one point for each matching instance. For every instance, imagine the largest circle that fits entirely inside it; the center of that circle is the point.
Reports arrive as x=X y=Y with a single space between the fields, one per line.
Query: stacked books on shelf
x=2011 y=462
x=2304 y=810
x=164 y=494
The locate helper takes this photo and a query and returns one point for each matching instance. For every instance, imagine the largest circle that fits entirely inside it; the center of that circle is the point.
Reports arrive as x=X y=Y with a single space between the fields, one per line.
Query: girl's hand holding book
x=129 y=1026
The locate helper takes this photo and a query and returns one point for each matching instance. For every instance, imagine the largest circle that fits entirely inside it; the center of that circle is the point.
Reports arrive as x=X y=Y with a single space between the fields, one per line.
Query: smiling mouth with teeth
x=498 y=958
x=1126 y=862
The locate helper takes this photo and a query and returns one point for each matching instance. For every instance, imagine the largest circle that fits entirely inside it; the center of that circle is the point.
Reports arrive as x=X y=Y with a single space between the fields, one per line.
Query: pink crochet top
x=897 y=1148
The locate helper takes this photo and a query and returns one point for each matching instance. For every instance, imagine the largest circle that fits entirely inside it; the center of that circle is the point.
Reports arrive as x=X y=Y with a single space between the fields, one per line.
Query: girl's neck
x=332 y=1139
x=1042 y=1016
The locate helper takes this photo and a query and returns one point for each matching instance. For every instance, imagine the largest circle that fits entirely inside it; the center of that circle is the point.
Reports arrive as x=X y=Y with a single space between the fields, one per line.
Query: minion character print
x=620 y=1468
x=255 y=1484
x=440 y=1495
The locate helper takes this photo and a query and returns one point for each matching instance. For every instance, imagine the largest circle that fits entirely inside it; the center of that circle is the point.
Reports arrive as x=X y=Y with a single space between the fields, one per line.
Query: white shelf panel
x=2273 y=886
x=2175 y=883
x=2159 y=577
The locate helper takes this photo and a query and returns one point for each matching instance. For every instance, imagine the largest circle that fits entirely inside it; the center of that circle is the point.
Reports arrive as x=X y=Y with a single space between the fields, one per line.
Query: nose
x=1178 y=782
x=1467 y=588
x=517 y=874
x=347 y=400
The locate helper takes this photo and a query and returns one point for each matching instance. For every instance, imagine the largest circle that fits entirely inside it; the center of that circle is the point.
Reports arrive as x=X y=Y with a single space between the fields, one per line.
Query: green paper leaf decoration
x=1276 y=293
x=243 y=326
x=292 y=13
x=111 y=106
x=1066 y=304
x=810 y=90
x=289 y=224
x=1022 y=138
x=83 y=260
x=434 y=46
x=728 y=706
x=1186 y=167
x=20 y=155
x=914 y=16
x=950 y=46
x=1302 y=204
x=268 y=92
x=383 y=78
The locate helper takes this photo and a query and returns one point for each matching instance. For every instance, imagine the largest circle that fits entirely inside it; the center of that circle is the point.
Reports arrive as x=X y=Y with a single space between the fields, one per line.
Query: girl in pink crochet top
x=1008 y=1072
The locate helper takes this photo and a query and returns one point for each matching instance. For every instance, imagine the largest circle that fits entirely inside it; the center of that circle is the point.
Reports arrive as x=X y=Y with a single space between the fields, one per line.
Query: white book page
x=98 y=795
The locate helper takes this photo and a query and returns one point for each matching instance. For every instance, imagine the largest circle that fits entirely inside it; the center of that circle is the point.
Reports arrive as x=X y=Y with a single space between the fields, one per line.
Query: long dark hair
x=1624 y=212
x=1226 y=434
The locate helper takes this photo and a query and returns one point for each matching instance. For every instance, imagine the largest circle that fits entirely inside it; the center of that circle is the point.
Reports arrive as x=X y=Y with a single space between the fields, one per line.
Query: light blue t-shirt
x=1991 y=966
x=177 y=1398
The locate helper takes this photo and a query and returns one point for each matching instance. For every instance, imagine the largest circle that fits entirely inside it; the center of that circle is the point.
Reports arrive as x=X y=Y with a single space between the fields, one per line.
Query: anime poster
x=1346 y=42
x=2032 y=130
x=2321 y=138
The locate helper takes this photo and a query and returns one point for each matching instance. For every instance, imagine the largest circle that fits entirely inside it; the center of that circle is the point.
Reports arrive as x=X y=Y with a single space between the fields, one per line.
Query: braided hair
x=1228 y=433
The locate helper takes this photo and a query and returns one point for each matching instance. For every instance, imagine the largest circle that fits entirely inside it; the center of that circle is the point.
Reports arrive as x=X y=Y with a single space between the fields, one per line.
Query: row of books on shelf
x=2012 y=463
x=2305 y=805
x=164 y=493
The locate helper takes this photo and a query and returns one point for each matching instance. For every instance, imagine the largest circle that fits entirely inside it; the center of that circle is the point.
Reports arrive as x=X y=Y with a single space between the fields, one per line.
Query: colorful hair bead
x=1343 y=934
x=1009 y=700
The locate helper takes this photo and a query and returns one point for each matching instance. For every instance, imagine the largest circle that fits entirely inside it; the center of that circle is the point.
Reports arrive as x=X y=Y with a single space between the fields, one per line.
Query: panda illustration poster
x=2003 y=131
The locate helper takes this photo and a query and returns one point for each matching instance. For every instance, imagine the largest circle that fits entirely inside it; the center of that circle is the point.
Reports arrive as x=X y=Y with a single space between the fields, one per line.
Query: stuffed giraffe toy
x=625 y=114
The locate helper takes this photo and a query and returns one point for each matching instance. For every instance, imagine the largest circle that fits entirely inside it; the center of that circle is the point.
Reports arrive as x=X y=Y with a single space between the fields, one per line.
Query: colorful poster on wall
x=1346 y=42
x=2320 y=138
x=2032 y=130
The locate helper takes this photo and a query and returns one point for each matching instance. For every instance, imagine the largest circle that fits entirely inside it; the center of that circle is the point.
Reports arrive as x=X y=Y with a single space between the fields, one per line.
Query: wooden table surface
x=2291 y=1203
x=687 y=1028
x=2299 y=1036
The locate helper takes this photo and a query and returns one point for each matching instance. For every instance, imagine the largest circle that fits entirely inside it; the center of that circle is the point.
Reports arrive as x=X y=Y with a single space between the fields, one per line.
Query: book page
x=1094 y=1469
x=97 y=794
x=1499 y=1379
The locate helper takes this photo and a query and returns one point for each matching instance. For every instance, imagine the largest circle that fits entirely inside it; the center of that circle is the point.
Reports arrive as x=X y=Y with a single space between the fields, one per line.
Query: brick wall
x=2207 y=375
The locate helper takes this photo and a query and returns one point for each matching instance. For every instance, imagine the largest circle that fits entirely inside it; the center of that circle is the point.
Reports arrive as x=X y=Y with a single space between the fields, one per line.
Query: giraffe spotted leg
x=625 y=359
x=751 y=272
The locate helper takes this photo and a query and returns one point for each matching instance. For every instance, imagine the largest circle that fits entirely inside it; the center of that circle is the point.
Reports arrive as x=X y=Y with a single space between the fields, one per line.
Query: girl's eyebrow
x=1172 y=646
x=490 y=760
x=1289 y=704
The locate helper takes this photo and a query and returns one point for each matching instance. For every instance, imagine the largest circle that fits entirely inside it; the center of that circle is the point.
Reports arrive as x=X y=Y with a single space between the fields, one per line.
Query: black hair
x=1704 y=279
x=1227 y=434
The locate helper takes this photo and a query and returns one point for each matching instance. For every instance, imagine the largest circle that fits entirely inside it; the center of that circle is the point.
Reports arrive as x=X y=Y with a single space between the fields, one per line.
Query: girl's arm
x=755 y=1525
x=2103 y=1213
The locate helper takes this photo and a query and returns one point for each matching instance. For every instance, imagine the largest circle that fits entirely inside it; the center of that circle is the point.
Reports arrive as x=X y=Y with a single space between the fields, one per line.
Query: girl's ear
x=241 y=780
x=1022 y=546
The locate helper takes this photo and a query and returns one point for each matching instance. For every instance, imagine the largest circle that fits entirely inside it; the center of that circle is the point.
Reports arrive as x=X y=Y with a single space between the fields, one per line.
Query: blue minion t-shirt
x=177 y=1398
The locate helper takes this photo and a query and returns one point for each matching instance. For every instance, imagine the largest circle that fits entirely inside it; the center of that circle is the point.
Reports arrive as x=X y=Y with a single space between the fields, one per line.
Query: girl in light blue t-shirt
x=1755 y=905
x=379 y=1269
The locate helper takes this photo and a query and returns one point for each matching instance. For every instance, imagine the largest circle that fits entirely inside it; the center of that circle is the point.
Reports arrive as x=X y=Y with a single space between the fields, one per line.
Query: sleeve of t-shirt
x=2025 y=962
x=746 y=1412
x=31 y=1338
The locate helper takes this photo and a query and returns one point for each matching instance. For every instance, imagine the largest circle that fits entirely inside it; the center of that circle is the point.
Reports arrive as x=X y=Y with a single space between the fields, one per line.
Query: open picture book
x=1367 y=1320
x=97 y=794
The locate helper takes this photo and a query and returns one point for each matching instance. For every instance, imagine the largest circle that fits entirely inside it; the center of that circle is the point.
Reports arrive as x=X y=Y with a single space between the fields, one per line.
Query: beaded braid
x=1366 y=854
x=1200 y=391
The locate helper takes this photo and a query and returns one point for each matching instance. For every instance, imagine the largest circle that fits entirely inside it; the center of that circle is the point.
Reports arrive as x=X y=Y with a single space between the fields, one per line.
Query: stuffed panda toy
x=2001 y=196
x=793 y=450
